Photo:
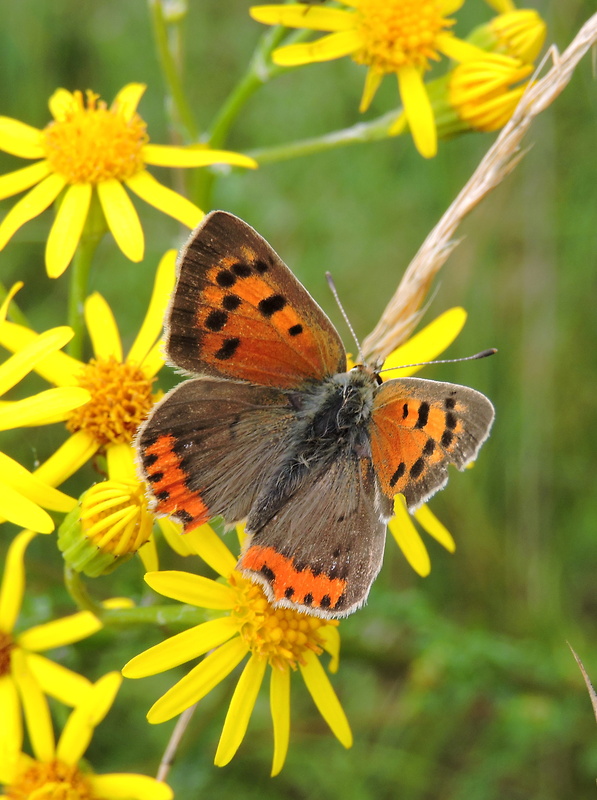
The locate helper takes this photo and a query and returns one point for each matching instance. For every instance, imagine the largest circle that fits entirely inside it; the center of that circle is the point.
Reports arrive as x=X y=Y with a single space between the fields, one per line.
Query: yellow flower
x=91 y=147
x=518 y=33
x=24 y=497
x=120 y=388
x=54 y=772
x=25 y=675
x=246 y=625
x=398 y=37
x=485 y=93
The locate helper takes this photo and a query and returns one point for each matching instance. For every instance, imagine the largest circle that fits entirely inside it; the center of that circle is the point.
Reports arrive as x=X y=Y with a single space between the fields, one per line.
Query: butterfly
x=273 y=428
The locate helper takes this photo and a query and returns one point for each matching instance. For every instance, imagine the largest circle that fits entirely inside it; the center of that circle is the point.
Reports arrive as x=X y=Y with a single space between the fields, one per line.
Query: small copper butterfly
x=274 y=429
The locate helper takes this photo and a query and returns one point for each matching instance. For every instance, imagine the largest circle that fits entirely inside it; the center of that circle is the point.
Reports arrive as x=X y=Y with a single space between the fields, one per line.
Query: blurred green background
x=460 y=685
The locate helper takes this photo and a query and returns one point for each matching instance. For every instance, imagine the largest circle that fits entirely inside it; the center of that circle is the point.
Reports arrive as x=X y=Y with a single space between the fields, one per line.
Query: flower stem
x=372 y=131
x=167 y=39
x=260 y=71
x=79 y=274
x=175 y=614
x=78 y=591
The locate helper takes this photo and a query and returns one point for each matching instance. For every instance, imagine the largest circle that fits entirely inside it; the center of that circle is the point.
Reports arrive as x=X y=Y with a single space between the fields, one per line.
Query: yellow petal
x=66 y=231
x=372 y=82
x=298 y=16
x=20 y=139
x=32 y=204
x=43 y=408
x=126 y=101
x=21 y=511
x=19 y=365
x=334 y=45
x=199 y=681
x=418 y=110
x=181 y=647
x=279 y=700
x=324 y=697
x=152 y=325
x=431 y=524
x=193 y=589
x=117 y=786
x=154 y=360
x=57 y=681
x=102 y=328
x=57 y=368
x=122 y=218
x=408 y=539
x=457 y=49
x=11 y=730
x=76 y=451
x=240 y=710
x=29 y=485
x=35 y=707
x=173 y=534
x=8 y=299
x=63 y=103
x=80 y=725
x=15 y=182
x=175 y=205
x=331 y=644
x=121 y=462
x=162 y=155
x=60 y=632
x=148 y=554
x=425 y=345
x=206 y=543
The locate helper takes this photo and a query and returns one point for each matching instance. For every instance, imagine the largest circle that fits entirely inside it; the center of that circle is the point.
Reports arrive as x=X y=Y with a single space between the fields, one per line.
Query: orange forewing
x=238 y=312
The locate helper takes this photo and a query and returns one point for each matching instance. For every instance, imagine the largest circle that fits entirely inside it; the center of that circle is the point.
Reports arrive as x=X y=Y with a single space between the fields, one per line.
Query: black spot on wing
x=269 y=305
x=451 y=420
x=225 y=278
x=268 y=573
x=231 y=302
x=447 y=437
x=288 y=592
x=399 y=472
x=429 y=447
x=241 y=270
x=423 y=415
x=261 y=266
x=228 y=348
x=216 y=319
x=294 y=330
x=417 y=468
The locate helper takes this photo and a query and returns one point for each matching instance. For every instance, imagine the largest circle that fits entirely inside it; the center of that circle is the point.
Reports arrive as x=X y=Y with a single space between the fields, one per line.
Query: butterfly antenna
x=483 y=354
x=332 y=286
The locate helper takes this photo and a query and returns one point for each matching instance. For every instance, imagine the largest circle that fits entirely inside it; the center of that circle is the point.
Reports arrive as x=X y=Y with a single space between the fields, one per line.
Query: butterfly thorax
x=332 y=418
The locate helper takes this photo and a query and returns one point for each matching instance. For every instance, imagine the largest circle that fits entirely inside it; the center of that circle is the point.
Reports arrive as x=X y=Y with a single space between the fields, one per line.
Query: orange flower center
x=398 y=33
x=6 y=645
x=53 y=781
x=279 y=634
x=120 y=400
x=94 y=143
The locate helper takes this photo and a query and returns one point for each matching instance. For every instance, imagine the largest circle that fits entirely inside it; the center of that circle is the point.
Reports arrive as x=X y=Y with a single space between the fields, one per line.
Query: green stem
x=79 y=275
x=373 y=131
x=78 y=591
x=167 y=44
x=179 y=614
x=260 y=71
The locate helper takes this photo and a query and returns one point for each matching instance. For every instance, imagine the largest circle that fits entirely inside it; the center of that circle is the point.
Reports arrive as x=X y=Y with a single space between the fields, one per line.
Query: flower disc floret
x=398 y=33
x=281 y=635
x=52 y=781
x=120 y=399
x=94 y=143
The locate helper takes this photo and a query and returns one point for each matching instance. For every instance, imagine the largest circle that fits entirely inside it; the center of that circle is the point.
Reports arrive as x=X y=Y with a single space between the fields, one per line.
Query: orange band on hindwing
x=168 y=483
x=302 y=587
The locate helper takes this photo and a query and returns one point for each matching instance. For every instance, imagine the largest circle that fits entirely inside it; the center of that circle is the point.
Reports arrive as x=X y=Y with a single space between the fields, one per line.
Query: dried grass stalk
x=403 y=311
